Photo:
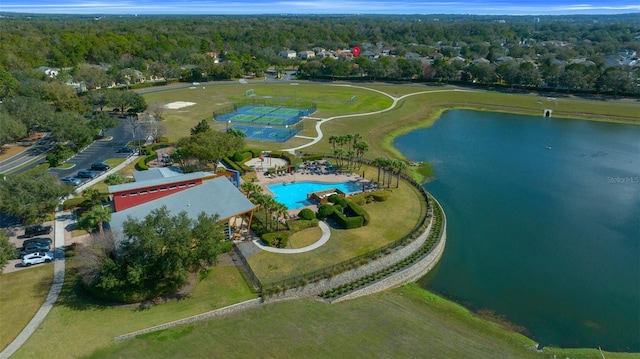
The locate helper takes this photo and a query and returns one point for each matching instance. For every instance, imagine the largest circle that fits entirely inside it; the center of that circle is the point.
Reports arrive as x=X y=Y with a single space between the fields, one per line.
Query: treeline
x=138 y=41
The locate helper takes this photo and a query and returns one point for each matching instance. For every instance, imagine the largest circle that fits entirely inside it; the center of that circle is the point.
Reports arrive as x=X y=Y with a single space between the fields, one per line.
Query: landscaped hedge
x=293 y=160
x=229 y=163
x=276 y=239
x=358 y=211
x=325 y=211
x=141 y=165
x=359 y=199
x=296 y=225
x=380 y=196
x=312 y=157
x=307 y=214
x=74 y=202
x=255 y=152
x=347 y=222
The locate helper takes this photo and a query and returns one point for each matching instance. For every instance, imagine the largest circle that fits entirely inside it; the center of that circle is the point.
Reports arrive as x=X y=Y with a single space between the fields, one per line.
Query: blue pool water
x=294 y=195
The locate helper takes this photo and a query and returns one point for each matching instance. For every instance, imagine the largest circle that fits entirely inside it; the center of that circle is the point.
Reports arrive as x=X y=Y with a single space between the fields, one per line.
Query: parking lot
x=16 y=237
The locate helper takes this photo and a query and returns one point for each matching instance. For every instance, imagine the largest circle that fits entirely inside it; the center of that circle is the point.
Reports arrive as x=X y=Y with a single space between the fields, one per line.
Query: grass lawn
x=305 y=237
x=76 y=326
x=21 y=295
x=331 y=100
x=407 y=322
x=345 y=244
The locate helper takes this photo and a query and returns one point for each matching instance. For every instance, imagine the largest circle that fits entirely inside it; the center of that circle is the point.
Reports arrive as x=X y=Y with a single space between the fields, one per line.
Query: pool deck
x=300 y=176
x=264 y=181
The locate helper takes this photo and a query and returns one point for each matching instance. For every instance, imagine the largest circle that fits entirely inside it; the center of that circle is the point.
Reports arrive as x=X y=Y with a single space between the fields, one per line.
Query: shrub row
x=293 y=160
x=296 y=225
x=231 y=164
x=312 y=157
x=151 y=155
x=74 y=202
x=276 y=239
x=347 y=222
x=359 y=211
x=434 y=235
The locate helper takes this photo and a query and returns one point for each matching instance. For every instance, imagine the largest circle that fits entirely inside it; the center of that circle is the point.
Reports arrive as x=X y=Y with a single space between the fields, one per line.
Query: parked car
x=37 y=257
x=41 y=240
x=100 y=166
x=37 y=230
x=32 y=248
x=128 y=149
x=75 y=181
x=87 y=174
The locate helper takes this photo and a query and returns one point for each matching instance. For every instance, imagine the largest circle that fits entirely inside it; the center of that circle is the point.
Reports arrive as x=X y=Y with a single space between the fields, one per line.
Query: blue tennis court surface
x=274 y=134
x=264 y=115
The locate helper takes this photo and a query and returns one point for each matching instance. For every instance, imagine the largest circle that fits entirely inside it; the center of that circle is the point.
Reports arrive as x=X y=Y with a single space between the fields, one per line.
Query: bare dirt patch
x=178 y=105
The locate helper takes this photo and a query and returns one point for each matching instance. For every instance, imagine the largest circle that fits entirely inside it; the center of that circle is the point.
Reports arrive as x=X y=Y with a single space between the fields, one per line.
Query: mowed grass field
x=407 y=209
x=419 y=107
x=77 y=325
x=331 y=100
x=21 y=295
x=406 y=322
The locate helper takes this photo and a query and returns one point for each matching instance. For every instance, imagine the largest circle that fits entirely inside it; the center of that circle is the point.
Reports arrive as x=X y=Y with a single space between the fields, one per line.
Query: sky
x=219 y=7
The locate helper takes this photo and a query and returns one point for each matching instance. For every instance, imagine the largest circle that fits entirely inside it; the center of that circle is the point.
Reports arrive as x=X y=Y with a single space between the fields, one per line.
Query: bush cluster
x=297 y=225
x=276 y=239
x=307 y=214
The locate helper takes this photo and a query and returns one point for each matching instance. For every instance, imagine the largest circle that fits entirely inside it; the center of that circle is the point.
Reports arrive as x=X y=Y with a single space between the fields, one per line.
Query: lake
x=543 y=222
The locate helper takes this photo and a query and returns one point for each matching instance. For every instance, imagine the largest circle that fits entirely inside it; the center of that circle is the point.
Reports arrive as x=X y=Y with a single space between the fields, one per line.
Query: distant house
x=344 y=54
x=480 y=61
x=324 y=54
x=49 y=72
x=213 y=55
x=306 y=55
x=457 y=59
x=412 y=56
x=288 y=54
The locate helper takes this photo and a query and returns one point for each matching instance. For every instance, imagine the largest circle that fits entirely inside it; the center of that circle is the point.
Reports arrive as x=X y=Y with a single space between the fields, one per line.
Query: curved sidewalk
x=326 y=234
x=391 y=107
x=62 y=220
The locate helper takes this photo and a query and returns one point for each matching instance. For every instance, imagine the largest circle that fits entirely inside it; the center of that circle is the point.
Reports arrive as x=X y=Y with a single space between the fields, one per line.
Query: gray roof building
x=215 y=196
x=155 y=178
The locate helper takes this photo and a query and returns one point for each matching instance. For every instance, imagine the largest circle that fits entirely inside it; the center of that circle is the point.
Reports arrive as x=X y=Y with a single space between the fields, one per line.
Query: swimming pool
x=294 y=195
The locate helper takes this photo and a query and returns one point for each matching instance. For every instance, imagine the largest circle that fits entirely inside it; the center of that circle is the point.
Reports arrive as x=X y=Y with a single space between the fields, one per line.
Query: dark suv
x=99 y=166
x=37 y=230
x=87 y=174
x=32 y=248
x=40 y=240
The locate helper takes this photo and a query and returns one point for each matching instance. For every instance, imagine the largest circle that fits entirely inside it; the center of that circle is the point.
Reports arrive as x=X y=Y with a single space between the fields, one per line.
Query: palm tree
x=333 y=141
x=250 y=189
x=98 y=215
x=401 y=165
x=361 y=148
x=379 y=164
x=93 y=195
x=391 y=164
x=280 y=210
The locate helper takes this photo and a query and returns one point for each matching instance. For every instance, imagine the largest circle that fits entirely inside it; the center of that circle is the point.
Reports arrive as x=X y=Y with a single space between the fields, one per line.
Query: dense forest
x=52 y=65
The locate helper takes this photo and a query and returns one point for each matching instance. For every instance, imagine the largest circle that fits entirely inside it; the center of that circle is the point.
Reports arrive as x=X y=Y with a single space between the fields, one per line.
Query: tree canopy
x=154 y=257
x=31 y=195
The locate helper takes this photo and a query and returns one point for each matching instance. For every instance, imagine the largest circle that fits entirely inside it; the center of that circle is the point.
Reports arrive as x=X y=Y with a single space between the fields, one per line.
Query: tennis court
x=274 y=134
x=264 y=115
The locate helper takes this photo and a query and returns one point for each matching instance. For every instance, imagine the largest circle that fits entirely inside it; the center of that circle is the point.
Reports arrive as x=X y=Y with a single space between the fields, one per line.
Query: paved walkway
x=393 y=105
x=326 y=234
x=63 y=219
